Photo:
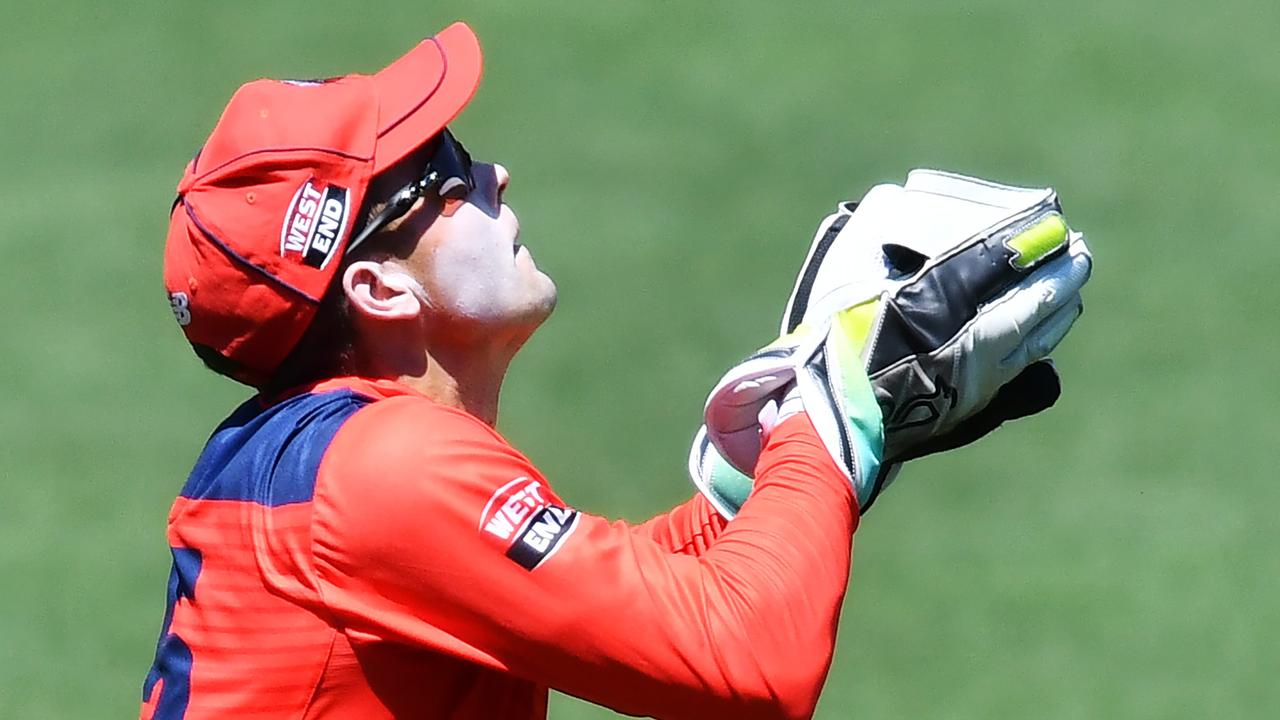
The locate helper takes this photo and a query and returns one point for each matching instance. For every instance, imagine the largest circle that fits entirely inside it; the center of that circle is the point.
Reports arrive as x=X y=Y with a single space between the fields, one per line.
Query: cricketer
x=358 y=541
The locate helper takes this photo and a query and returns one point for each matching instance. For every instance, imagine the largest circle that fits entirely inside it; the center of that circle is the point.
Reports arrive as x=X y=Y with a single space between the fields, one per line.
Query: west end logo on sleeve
x=526 y=519
x=315 y=223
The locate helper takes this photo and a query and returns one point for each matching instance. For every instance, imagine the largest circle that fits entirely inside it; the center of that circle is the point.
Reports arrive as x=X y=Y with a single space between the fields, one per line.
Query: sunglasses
x=447 y=175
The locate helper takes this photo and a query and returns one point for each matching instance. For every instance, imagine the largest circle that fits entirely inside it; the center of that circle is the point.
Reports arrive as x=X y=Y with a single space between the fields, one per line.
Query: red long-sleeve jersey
x=360 y=551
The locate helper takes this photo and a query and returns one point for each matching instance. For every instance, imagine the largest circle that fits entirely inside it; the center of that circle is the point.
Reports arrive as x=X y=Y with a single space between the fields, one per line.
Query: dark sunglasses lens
x=453 y=165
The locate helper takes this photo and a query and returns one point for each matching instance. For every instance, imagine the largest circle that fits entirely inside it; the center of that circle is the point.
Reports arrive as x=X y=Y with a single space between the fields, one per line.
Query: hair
x=327 y=347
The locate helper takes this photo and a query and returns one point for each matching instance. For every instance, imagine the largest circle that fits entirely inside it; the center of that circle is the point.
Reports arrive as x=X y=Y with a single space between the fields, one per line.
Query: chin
x=520 y=315
x=547 y=295
x=538 y=308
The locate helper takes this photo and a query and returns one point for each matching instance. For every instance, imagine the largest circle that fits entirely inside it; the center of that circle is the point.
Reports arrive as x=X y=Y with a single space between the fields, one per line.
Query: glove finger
x=1046 y=336
x=1004 y=324
x=1033 y=390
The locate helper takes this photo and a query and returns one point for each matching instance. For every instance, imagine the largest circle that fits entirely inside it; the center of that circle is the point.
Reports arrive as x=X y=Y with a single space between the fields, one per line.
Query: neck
x=469 y=381
x=463 y=375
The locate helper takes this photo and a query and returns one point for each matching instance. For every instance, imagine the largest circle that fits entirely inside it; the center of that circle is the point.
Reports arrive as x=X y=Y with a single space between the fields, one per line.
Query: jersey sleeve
x=689 y=528
x=430 y=530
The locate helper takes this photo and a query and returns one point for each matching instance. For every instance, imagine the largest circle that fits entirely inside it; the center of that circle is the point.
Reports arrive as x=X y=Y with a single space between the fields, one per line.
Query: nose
x=503 y=177
x=491 y=182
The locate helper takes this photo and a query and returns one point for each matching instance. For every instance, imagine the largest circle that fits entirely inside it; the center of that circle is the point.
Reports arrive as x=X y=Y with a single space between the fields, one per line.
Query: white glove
x=944 y=290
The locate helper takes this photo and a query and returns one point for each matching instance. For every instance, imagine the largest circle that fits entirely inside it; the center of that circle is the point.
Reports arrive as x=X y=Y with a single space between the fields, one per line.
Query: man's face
x=467 y=259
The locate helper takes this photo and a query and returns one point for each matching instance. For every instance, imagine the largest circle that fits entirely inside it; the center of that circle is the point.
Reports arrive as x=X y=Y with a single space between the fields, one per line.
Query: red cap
x=266 y=208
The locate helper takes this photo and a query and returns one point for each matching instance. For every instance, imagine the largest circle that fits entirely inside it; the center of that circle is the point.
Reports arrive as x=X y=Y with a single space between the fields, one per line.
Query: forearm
x=748 y=628
x=785 y=558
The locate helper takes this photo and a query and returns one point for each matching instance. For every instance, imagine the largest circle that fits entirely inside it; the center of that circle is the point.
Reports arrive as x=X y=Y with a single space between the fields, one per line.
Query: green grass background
x=1116 y=557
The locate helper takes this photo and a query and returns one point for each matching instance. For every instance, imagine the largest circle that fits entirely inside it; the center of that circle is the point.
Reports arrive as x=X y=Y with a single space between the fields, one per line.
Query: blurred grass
x=1114 y=558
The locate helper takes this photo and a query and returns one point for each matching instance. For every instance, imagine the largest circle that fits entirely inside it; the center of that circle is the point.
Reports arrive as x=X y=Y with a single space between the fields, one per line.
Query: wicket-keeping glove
x=946 y=291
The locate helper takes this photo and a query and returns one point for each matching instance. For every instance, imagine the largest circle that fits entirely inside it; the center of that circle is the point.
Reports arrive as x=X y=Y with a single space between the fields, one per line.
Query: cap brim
x=422 y=92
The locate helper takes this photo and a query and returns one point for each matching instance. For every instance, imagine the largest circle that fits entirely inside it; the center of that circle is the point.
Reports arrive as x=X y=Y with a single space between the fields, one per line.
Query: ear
x=377 y=291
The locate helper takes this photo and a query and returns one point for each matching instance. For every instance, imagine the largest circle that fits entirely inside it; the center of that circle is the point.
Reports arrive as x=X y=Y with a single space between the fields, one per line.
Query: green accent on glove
x=846 y=340
x=835 y=392
x=1033 y=244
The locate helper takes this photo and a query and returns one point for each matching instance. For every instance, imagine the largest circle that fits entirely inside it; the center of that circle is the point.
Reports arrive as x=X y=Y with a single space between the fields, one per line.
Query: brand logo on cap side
x=315 y=223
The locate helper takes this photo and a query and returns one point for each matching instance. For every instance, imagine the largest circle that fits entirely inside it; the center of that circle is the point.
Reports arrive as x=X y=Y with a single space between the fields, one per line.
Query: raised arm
x=454 y=542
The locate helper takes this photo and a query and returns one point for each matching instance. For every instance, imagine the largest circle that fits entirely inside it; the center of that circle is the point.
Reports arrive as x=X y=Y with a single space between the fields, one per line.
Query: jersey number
x=171 y=670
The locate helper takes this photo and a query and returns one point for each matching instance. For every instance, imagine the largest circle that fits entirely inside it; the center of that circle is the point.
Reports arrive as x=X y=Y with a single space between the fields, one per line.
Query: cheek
x=469 y=279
